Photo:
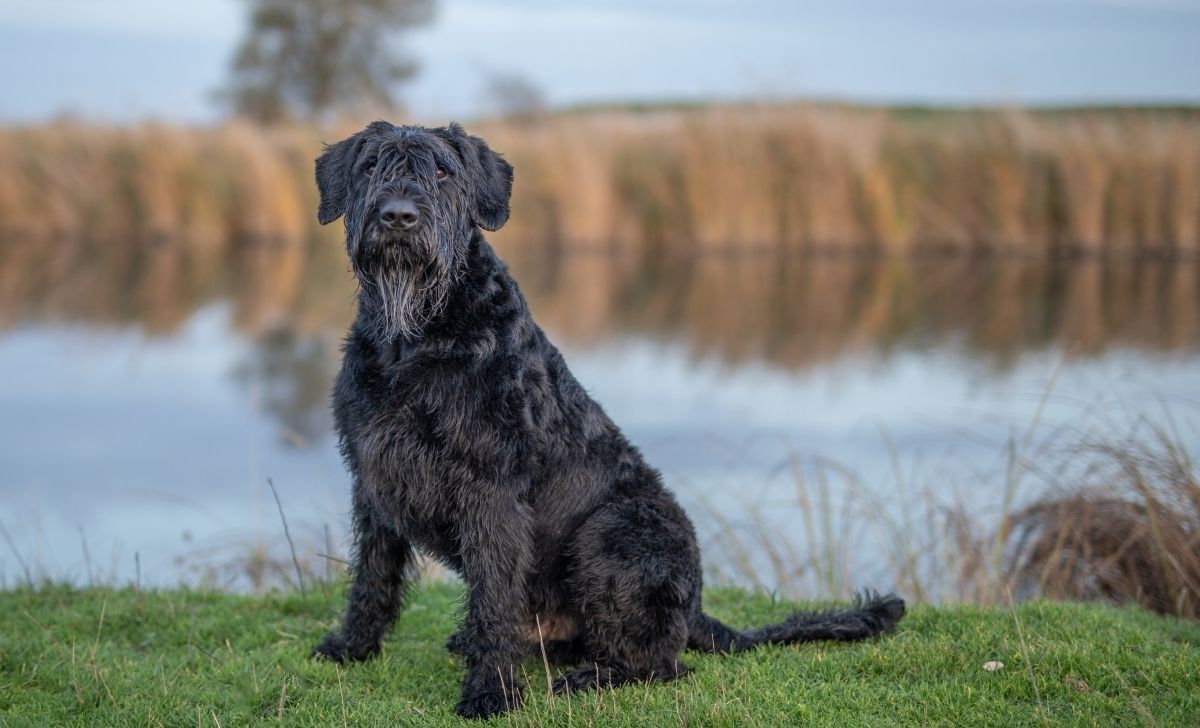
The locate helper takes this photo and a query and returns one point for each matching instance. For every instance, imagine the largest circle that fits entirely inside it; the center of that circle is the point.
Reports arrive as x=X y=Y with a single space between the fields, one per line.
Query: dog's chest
x=425 y=440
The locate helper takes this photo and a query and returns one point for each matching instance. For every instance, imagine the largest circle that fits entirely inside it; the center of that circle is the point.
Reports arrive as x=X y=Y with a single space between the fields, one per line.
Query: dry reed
x=788 y=177
x=1129 y=533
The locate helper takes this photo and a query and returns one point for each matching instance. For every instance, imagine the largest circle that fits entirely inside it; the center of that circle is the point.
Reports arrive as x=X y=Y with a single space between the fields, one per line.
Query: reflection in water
x=292 y=376
x=801 y=312
x=794 y=312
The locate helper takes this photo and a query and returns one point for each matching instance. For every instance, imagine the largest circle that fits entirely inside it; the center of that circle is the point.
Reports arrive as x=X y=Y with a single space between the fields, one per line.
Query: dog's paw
x=337 y=648
x=488 y=704
x=579 y=681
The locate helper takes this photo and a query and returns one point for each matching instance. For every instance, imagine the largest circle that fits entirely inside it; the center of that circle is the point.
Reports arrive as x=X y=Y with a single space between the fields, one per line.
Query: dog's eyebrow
x=371 y=148
x=448 y=161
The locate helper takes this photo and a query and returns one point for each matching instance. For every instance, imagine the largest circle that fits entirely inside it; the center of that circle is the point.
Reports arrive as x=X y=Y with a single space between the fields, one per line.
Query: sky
x=126 y=60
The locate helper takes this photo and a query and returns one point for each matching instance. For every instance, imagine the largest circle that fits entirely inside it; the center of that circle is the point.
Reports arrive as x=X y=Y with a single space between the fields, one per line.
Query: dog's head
x=411 y=197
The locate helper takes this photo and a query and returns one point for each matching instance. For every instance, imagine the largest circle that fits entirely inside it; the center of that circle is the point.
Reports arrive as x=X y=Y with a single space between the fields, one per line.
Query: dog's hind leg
x=382 y=560
x=635 y=573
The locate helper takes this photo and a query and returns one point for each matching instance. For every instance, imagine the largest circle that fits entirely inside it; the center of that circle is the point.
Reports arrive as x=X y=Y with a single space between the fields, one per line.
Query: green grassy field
x=102 y=657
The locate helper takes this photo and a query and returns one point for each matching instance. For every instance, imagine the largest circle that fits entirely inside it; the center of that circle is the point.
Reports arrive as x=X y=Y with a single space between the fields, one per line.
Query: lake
x=148 y=394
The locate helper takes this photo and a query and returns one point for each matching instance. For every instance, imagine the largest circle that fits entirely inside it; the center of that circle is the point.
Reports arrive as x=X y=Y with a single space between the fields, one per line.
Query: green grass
x=100 y=657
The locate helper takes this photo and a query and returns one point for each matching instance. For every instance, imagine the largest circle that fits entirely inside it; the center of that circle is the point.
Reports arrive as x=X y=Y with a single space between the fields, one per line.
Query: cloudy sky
x=130 y=59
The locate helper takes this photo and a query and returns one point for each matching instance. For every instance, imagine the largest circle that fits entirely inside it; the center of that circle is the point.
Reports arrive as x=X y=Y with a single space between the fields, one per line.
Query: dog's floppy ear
x=489 y=177
x=334 y=168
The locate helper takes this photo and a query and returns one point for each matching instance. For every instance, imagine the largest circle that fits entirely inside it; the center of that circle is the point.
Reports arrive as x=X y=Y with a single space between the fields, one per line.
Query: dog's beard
x=407 y=284
x=407 y=300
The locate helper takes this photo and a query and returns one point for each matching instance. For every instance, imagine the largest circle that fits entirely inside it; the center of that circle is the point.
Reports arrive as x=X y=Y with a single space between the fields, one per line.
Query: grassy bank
x=112 y=657
x=667 y=180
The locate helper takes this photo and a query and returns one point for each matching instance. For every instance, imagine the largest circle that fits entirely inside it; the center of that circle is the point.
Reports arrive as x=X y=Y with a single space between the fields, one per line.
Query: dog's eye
x=441 y=174
x=369 y=168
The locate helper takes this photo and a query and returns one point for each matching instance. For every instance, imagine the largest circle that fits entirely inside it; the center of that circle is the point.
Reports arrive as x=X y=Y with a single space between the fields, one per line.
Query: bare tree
x=304 y=58
x=515 y=96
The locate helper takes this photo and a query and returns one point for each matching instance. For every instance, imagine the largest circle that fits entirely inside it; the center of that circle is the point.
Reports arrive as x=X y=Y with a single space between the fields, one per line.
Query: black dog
x=469 y=439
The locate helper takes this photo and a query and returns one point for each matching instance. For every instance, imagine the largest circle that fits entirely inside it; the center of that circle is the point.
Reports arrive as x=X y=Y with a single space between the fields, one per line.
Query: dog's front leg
x=382 y=562
x=496 y=549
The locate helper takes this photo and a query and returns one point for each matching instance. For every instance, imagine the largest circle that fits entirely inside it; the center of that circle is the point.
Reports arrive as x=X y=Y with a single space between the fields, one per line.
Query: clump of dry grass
x=1132 y=534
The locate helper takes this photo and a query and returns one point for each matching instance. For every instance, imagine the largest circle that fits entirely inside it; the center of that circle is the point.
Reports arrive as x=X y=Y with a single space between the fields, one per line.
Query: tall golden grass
x=787 y=177
x=152 y=183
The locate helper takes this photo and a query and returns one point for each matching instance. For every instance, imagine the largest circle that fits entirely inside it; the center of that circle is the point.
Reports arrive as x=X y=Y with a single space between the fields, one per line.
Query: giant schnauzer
x=469 y=439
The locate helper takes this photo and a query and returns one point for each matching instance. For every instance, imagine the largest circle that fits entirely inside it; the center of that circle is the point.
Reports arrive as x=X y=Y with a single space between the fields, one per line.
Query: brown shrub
x=1133 y=538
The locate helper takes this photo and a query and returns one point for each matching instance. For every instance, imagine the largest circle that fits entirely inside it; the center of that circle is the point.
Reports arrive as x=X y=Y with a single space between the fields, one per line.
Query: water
x=145 y=400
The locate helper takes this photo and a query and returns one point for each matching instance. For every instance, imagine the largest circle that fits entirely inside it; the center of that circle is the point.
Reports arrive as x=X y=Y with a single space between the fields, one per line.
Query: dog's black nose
x=399 y=213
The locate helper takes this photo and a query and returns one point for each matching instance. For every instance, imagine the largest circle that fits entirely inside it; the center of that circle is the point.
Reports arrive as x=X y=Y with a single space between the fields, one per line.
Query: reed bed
x=664 y=182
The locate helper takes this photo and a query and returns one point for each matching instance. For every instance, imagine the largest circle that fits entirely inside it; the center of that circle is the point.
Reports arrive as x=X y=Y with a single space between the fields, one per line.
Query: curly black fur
x=469 y=439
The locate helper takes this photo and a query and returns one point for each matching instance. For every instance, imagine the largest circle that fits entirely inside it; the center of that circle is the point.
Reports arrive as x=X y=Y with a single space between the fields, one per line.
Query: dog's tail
x=869 y=615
